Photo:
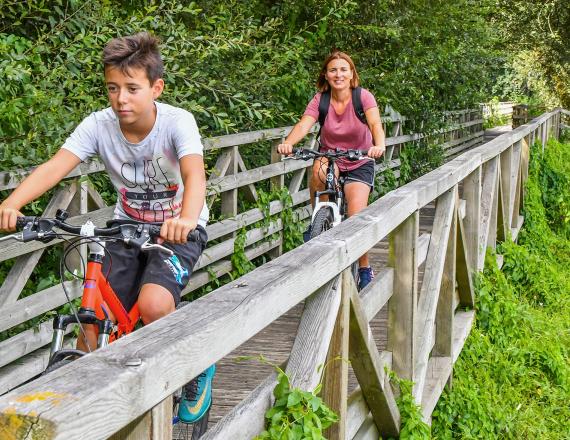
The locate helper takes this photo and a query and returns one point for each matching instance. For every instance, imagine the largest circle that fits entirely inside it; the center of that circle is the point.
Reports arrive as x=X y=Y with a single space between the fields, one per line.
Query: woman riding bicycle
x=343 y=128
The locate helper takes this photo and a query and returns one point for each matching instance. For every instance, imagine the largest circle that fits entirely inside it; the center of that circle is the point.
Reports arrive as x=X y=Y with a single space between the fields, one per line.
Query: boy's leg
x=155 y=301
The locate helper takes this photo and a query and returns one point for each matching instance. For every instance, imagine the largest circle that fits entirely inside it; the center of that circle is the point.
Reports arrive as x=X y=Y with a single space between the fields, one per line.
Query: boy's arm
x=43 y=178
x=192 y=172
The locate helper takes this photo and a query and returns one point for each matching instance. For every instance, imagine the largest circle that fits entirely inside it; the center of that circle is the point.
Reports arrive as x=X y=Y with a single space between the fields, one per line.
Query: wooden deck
x=235 y=379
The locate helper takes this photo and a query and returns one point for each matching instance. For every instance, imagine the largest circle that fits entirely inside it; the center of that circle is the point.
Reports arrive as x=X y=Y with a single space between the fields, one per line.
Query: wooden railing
x=119 y=389
x=24 y=355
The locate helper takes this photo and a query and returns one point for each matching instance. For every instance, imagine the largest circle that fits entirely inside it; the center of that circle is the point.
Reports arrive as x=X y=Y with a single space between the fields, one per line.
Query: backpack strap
x=357 y=104
x=323 y=110
x=325 y=101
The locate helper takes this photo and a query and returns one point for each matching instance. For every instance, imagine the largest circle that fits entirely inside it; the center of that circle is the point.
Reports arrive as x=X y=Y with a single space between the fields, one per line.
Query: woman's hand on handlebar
x=376 y=152
x=8 y=218
x=285 y=148
x=176 y=230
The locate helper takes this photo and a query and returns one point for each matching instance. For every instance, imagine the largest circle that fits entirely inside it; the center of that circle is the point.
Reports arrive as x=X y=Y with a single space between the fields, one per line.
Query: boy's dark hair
x=135 y=51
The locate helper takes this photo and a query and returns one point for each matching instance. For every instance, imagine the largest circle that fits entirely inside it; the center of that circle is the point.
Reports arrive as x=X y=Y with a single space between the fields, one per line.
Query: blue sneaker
x=197 y=396
x=365 y=275
x=307 y=234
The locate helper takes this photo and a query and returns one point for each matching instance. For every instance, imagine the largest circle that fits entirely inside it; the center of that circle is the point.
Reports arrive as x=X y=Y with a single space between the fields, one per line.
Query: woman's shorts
x=363 y=174
x=128 y=269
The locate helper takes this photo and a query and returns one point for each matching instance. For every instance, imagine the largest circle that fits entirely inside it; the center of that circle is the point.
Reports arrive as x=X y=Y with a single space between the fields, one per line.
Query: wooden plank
x=462 y=323
x=11 y=179
x=227 y=226
x=16 y=249
x=403 y=303
x=311 y=345
x=516 y=183
x=516 y=228
x=249 y=190
x=229 y=197
x=377 y=293
x=357 y=408
x=335 y=381
x=503 y=206
x=26 y=342
x=233 y=181
x=96 y=198
x=369 y=370
x=27 y=367
x=472 y=218
x=245 y=420
x=445 y=304
x=250 y=137
x=368 y=430
x=464 y=270
x=446 y=210
x=488 y=193
x=34 y=305
x=23 y=267
x=438 y=372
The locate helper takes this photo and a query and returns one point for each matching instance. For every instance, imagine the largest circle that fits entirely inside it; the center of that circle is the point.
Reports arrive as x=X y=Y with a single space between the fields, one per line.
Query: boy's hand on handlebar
x=176 y=230
x=376 y=152
x=8 y=217
x=285 y=148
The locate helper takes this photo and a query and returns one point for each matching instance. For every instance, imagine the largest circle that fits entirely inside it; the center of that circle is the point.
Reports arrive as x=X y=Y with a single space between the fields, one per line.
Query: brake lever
x=146 y=246
x=17 y=236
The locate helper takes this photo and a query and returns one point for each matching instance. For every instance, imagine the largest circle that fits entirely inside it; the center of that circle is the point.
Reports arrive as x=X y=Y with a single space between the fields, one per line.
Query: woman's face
x=339 y=74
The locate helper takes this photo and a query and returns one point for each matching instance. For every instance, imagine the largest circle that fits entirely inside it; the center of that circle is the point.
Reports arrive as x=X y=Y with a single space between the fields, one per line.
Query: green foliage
x=494 y=118
x=240 y=263
x=296 y=414
x=412 y=425
x=512 y=379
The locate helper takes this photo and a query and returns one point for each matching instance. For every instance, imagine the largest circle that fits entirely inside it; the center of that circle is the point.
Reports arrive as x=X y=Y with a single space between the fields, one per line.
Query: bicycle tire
x=323 y=221
x=57 y=365
x=201 y=426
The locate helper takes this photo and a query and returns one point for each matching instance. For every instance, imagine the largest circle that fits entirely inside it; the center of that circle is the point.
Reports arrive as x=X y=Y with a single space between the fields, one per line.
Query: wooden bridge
x=299 y=309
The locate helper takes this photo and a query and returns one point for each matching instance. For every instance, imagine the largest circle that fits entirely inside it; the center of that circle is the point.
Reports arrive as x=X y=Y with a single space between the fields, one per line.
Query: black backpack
x=326 y=100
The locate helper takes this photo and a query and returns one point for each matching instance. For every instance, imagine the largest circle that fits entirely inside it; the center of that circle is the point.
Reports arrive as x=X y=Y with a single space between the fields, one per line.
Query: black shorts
x=128 y=269
x=363 y=174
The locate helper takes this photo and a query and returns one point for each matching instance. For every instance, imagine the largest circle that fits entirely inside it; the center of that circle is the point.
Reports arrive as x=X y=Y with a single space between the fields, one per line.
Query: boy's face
x=132 y=96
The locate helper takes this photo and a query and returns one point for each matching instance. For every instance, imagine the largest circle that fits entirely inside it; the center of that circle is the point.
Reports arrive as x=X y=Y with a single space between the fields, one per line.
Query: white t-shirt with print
x=146 y=174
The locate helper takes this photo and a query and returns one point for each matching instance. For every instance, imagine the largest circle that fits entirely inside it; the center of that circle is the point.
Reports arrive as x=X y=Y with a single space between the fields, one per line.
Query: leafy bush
x=512 y=379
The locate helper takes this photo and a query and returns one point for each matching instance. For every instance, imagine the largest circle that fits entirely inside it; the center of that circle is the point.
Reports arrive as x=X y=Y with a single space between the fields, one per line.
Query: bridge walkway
x=236 y=379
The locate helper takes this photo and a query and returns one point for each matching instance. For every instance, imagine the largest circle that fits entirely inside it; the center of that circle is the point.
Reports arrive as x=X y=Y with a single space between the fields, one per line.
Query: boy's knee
x=154 y=303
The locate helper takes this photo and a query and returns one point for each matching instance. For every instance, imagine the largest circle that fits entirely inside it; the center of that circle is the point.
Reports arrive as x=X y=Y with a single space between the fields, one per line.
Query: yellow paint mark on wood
x=42 y=396
x=15 y=426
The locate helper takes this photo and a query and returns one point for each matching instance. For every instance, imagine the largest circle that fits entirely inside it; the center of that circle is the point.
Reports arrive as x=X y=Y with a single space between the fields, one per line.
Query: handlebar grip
x=193 y=235
x=21 y=222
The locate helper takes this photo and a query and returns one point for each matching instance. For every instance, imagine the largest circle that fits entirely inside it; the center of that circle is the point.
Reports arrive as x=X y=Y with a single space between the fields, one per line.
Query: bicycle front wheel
x=323 y=221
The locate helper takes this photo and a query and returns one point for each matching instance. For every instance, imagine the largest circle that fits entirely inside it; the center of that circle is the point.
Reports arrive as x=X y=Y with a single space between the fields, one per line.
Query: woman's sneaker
x=197 y=396
x=365 y=275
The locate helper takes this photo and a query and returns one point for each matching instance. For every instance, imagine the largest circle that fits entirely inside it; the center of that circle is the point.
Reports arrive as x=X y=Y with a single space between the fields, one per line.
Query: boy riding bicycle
x=154 y=157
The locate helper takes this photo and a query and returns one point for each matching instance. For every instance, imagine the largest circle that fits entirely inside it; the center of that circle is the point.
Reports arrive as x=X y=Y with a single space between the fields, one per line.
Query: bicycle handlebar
x=306 y=154
x=41 y=228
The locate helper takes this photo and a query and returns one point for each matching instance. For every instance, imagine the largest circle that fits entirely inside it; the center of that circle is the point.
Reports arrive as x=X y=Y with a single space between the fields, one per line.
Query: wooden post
x=229 y=198
x=472 y=196
x=78 y=260
x=402 y=307
x=154 y=425
x=276 y=183
x=335 y=382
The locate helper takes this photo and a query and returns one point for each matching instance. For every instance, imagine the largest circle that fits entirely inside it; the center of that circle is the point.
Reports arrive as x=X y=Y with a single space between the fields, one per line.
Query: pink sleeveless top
x=344 y=131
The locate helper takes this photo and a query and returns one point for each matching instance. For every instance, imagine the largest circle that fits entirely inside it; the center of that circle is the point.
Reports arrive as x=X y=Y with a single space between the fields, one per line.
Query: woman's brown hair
x=322 y=83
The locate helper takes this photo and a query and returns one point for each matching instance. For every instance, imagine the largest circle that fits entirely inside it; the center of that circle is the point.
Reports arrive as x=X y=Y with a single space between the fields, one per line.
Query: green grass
x=512 y=379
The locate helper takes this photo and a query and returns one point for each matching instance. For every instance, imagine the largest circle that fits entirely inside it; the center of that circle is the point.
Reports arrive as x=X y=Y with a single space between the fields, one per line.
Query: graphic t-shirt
x=146 y=174
x=344 y=131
